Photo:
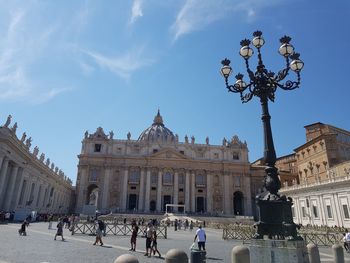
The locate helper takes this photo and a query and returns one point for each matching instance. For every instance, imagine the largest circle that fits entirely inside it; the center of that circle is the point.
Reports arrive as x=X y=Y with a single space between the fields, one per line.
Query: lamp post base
x=275 y=219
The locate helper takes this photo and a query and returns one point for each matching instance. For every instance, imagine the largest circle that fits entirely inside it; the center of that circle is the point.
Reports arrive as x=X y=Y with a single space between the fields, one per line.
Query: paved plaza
x=38 y=246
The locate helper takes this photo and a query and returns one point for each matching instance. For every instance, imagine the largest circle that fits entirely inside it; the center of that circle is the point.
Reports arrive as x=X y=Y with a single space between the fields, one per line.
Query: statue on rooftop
x=14 y=127
x=36 y=151
x=24 y=135
x=8 y=121
x=29 y=142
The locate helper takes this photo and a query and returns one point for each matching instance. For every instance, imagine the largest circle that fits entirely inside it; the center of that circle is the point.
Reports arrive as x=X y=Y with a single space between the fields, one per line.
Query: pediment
x=169 y=153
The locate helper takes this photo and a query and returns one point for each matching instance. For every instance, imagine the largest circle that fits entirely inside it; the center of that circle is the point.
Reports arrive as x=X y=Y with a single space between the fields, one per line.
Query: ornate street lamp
x=275 y=212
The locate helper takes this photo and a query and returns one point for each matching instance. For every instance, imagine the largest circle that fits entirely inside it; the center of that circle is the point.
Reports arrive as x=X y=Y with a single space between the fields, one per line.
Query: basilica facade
x=146 y=174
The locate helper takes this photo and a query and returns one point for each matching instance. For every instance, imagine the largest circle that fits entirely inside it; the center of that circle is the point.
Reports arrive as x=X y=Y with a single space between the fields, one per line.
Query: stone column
x=81 y=197
x=105 y=194
x=36 y=193
x=209 y=195
x=124 y=190
x=3 y=174
x=159 y=192
x=247 y=210
x=176 y=190
x=1 y=159
x=11 y=185
x=193 y=192
x=227 y=198
x=148 y=190
x=187 y=193
x=19 y=189
x=142 y=190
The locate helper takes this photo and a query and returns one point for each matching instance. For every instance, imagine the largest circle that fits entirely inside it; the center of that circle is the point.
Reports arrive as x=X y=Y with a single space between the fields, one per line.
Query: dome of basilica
x=157 y=131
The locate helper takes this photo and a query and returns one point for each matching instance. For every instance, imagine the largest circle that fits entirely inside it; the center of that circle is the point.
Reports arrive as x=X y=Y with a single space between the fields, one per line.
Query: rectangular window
x=200 y=180
x=154 y=188
x=200 y=191
x=97 y=148
x=329 y=211
x=134 y=177
x=216 y=156
x=346 y=212
x=303 y=211
x=93 y=175
x=314 y=210
x=154 y=178
x=235 y=156
x=181 y=190
x=182 y=152
x=181 y=179
x=167 y=178
x=155 y=150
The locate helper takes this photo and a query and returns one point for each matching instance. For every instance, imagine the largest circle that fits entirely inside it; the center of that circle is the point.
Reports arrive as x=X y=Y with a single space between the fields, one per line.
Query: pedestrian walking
x=202 y=238
x=50 y=221
x=346 y=240
x=154 y=247
x=99 y=225
x=135 y=230
x=22 y=230
x=191 y=225
x=149 y=232
x=59 y=229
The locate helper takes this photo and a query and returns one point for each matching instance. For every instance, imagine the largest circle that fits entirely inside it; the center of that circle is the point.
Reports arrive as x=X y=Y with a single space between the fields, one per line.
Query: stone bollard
x=126 y=258
x=240 y=254
x=338 y=253
x=314 y=255
x=176 y=256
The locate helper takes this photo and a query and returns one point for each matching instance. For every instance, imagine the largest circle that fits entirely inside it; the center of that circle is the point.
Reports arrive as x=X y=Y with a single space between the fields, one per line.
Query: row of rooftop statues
x=100 y=134
x=27 y=142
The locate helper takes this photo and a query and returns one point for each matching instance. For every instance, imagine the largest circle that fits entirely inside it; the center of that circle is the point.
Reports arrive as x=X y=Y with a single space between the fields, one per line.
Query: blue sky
x=71 y=66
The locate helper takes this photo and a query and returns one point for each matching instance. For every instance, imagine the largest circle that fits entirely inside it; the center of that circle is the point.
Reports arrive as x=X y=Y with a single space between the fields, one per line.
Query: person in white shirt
x=346 y=240
x=202 y=238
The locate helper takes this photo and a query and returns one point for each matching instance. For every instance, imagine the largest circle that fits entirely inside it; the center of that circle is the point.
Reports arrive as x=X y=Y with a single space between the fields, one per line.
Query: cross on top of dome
x=158 y=120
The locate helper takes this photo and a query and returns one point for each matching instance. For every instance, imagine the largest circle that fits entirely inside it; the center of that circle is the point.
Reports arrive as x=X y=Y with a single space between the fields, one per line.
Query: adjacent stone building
x=157 y=169
x=322 y=196
x=29 y=181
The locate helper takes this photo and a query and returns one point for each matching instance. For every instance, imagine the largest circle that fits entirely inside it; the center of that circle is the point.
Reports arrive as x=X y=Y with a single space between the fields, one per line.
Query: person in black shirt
x=22 y=230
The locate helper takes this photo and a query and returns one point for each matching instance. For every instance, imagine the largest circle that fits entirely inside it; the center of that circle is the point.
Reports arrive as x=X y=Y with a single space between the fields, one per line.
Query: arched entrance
x=152 y=206
x=238 y=203
x=200 y=205
x=92 y=195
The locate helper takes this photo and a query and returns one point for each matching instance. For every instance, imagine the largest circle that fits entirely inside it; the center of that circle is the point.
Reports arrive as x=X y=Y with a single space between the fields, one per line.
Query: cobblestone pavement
x=39 y=247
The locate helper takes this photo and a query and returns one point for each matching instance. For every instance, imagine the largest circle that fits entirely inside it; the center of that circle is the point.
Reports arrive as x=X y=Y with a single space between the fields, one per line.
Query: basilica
x=156 y=169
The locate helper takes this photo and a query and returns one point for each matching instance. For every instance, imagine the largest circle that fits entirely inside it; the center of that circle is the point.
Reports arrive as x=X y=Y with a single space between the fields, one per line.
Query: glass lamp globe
x=246 y=52
x=296 y=65
x=240 y=84
x=258 y=41
x=286 y=50
x=226 y=71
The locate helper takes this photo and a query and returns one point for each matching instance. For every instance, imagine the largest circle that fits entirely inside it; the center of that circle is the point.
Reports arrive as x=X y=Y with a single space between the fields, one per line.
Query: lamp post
x=275 y=213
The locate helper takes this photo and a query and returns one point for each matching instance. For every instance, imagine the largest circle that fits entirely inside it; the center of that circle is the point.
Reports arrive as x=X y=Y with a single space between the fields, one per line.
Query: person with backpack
x=59 y=229
x=99 y=225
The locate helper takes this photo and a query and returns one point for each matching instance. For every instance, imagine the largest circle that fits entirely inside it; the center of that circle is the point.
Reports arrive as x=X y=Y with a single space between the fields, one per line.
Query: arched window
x=200 y=180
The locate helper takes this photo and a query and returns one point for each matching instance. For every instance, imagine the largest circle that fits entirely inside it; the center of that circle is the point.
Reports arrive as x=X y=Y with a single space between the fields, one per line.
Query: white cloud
x=19 y=49
x=136 y=11
x=123 y=65
x=195 y=15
